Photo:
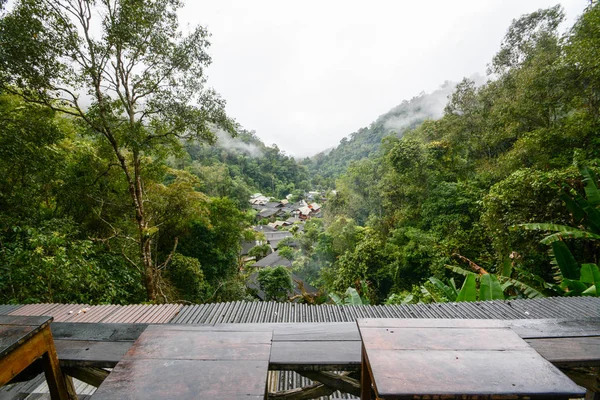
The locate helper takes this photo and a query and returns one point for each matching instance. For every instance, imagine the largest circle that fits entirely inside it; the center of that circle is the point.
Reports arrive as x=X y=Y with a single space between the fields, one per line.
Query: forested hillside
x=448 y=196
x=116 y=187
x=327 y=166
x=124 y=180
x=237 y=167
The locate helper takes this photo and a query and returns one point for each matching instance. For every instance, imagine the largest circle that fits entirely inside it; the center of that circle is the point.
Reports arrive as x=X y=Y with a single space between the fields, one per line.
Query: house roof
x=246 y=246
x=305 y=210
x=268 y=212
x=264 y=228
x=274 y=204
x=273 y=260
x=276 y=224
x=273 y=238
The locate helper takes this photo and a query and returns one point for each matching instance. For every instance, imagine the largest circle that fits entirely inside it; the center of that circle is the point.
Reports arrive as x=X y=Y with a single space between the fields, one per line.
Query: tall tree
x=126 y=71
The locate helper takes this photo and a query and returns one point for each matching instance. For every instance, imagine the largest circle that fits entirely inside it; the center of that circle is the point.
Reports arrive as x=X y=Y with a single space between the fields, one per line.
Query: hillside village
x=276 y=223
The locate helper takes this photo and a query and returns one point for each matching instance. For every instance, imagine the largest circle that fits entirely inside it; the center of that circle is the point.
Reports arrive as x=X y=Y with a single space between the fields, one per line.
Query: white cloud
x=225 y=140
x=305 y=74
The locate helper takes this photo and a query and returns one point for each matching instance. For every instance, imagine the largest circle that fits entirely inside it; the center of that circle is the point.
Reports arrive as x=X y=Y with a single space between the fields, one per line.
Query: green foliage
x=49 y=263
x=242 y=166
x=215 y=242
x=186 y=275
x=286 y=252
x=490 y=288
x=468 y=291
x=498 y=157
x=351 y=296
x=121 y=55
x=275 y=282
x=259 y=251
x=575 y=279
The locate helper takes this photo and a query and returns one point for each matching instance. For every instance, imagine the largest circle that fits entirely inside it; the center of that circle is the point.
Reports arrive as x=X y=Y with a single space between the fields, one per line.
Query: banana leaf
x=565 y=260
x=468 y=291
x=562 y=232
x=336 y=299
x=459 y=270
x=575 y=209
x=592 y=222
x=573 y=287
x=408 y=299
x=428 y=293
x=591 y=291
x=591 y=274
x=507 y=267
x=528 y=291
x=490 y=288
x=453 y=286
x=352 y=297
x=448 y=291
x=591 y=190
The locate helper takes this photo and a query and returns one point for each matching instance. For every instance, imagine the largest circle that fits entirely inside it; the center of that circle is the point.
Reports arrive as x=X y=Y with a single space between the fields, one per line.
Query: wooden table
x=462 y=359
x=22 y=341
x=187 y=362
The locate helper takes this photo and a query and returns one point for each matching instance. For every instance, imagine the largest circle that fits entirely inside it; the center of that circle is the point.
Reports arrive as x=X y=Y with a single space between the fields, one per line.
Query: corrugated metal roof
x=269 y=312
x=279 y=381
x=93 y=313
x=7 y=308
x=144 y=313
x=257 y=312
x=37 y=389
x=35 y=309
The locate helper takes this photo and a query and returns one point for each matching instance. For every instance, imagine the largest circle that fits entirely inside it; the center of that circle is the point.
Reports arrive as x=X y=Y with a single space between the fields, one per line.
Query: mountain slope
x=328 y=165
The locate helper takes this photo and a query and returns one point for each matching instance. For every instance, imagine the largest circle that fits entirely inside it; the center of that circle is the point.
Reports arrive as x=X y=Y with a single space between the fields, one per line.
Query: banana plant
x=489 y=286
x=351 y=297
x=575 y=279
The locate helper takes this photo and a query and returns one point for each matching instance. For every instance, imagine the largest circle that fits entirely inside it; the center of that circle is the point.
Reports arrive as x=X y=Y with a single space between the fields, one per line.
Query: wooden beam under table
x=39 y=345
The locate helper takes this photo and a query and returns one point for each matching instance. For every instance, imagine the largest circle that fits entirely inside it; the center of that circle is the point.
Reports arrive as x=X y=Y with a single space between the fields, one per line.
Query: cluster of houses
x=282 y=215
x=283 y=210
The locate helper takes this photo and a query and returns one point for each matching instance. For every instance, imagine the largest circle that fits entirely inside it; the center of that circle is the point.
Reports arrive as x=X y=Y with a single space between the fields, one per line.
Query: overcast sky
x=304 y=74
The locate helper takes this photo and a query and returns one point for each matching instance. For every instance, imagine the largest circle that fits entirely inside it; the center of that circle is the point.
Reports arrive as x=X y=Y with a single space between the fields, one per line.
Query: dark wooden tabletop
x=15 y=330
x=186 y=362
x=457 y=358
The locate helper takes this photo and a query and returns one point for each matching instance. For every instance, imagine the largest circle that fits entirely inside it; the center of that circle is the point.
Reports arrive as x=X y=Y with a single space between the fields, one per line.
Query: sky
x=305 y=74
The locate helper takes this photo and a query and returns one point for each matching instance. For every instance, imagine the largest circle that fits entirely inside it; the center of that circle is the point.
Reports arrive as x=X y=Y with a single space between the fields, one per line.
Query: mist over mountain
x=365 y=142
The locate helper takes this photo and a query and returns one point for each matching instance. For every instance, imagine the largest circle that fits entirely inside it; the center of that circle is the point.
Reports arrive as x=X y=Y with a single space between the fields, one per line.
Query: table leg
x=365 y=377
x=54 y=376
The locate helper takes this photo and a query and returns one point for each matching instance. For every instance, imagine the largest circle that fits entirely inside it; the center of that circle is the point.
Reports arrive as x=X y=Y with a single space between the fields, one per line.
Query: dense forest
x=123 y=180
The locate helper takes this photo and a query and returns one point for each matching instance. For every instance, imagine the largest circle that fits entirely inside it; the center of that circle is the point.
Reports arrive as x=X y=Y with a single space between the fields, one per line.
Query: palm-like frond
x=561 y=232
x=490 y=288
x=591 y=190
x=529 y=291
x=459 y=270
x=449 y=291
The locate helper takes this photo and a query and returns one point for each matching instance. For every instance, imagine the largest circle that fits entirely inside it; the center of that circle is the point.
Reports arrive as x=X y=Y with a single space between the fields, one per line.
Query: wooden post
x=365 y=376
x=54 y=376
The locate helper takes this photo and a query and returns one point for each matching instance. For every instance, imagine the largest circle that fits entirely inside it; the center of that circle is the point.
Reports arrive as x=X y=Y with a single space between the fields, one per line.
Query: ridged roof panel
x=263 y=312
